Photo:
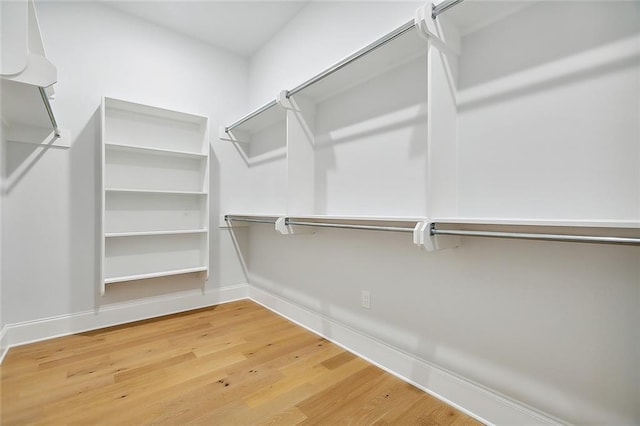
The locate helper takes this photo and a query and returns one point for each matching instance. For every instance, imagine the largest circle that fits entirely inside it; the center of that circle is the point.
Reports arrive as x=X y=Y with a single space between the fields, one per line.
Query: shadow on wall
x=264 y=146
x=387 y=116
x=495 y=56
x=22 y=157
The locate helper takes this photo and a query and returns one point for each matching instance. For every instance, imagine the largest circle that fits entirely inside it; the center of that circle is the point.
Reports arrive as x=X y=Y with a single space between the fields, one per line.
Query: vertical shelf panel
x=153 y=154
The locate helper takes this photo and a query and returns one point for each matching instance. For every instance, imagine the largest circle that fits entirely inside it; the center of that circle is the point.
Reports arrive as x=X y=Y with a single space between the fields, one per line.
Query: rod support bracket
x=440 y=32
x=424 y=238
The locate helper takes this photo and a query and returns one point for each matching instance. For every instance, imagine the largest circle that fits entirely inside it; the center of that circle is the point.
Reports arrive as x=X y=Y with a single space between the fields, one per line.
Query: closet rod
x=229 y=218
x=47 y=106
x=442 y=7
x=360 y=53
x=532 y=236
x=344 y=226
x=250 y=116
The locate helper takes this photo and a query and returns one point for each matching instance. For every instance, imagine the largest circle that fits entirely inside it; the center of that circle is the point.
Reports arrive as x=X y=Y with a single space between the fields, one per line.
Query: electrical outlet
x=365 y=299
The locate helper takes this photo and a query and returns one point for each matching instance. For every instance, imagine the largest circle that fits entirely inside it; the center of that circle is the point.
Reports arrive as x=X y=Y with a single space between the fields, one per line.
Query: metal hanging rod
x=359 y=54
x=368 y=49
x=437 y=9
x=47 y=106
x=349 y=226
x=442 y=7
x=250 y=115
x=230 y=218
x=534 y=236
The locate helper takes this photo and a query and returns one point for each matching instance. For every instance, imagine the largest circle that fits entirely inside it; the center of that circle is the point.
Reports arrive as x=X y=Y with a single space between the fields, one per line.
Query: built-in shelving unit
x=155 y=165
x=432 y=115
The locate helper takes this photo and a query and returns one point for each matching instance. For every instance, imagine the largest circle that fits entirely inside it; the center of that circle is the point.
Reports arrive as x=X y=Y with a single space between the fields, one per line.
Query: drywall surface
x=322 y=34
x=51 y=209
x=551 y=325
x=2 y=172
x=548 y=122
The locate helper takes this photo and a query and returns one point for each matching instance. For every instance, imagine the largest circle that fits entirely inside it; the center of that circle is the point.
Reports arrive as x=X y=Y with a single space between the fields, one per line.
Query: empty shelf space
x=155 y=274
x=154 y=151
x=152 y=212
x=151 y=233
x=140 y=170
x=150 y=254
x=130 y=123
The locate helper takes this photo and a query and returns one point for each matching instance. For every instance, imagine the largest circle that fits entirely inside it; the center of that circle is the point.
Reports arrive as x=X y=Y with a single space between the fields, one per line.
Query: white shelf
x=26 y=80
x=155 y=177
x=155 y=275
x=567 y=223
x=404 y=44
x=150 y=233
x=153 y=191
x=157 y=151
x=360 y=218
x=266 y=118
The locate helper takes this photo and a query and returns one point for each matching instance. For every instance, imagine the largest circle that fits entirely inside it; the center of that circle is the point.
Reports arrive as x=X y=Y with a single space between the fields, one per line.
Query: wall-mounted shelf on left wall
x=26 y=80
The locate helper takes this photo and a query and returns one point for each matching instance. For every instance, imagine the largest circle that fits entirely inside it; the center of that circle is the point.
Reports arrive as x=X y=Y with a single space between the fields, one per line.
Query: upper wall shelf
x=393 y=49
x=26 y=78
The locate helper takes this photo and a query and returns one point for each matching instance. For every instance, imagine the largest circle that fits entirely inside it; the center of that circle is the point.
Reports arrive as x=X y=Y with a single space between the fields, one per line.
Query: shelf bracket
x=285 y=102
x=284 y=228
x=440 y=32
x=424 y=238
x=233 y=135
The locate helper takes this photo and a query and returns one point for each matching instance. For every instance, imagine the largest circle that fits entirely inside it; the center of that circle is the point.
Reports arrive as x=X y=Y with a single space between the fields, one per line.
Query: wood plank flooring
x=231 y=364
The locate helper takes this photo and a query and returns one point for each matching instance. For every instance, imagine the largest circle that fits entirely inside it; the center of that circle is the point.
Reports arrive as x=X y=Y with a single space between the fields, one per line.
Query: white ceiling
x=239 y=26
x=243 y=27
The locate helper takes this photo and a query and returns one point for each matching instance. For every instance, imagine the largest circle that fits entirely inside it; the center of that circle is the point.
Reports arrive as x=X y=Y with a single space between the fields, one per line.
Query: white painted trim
x=4 y=347
x=481 y=403
x=121 y=313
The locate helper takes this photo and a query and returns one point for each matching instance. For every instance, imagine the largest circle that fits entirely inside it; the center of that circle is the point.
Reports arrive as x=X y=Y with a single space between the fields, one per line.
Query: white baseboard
x=4 y=346
x=479 y=402
x=121 y=313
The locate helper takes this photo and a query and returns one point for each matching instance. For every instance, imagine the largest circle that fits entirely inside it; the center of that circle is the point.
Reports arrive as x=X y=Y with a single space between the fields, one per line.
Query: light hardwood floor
x=231 y=364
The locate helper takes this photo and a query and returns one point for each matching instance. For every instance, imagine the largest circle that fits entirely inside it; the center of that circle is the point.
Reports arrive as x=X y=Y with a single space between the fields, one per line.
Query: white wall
x=552 y=325
x=2 y=172
x=51 y=206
